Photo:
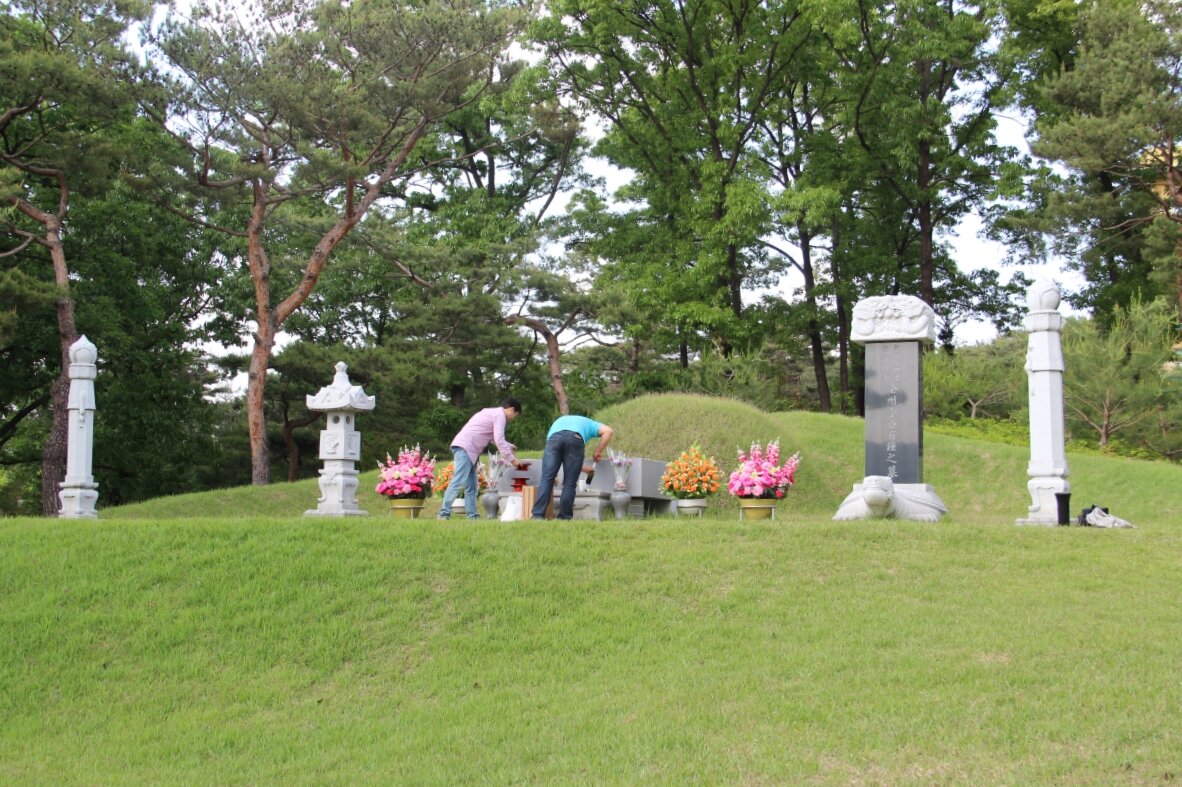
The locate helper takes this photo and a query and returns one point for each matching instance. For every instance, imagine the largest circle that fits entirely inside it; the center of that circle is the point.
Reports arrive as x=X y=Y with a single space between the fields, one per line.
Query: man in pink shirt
x=487 y=426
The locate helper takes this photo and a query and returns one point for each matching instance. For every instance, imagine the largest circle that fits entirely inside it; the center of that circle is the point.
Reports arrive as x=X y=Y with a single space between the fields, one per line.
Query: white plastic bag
x=512 y=510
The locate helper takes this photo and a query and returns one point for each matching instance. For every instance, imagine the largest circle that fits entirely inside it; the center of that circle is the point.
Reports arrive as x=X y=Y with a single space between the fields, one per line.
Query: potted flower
x=445 y=471
x=406 y=481
x=691 y=478
x=761 y=478
x=620 y=497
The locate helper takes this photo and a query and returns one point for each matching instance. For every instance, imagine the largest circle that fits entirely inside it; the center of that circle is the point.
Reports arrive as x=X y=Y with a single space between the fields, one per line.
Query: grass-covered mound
x=214 y=646
x=978 y=480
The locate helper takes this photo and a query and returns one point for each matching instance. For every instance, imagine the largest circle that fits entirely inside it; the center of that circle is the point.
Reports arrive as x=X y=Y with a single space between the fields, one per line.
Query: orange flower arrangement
x=444 y=473
x=692 y=475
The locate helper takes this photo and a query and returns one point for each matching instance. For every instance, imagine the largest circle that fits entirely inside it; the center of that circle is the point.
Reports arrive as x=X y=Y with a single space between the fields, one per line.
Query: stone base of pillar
x=1044 y=508
x=338 y=491
x=338 y=512
x=879 y=497
x=78 y=500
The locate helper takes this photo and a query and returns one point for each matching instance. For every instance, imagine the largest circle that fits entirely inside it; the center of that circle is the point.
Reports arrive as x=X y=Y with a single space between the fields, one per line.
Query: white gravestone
x=78 y=493
x=1044 y=380
x=340 y=445
x=893 y=329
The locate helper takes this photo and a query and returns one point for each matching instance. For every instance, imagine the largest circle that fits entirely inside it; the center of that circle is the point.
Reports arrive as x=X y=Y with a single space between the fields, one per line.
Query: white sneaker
x=1098 y=517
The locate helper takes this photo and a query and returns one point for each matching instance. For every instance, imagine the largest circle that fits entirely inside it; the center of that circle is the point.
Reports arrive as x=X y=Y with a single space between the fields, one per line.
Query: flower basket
x=445 y=472
x=757 y=508
x=406 y=507
x=409 y=477
x=760 y=480
x=691 y=476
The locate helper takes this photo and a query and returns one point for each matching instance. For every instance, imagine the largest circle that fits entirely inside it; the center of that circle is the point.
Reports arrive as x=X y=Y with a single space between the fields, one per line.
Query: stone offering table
x=594 y=502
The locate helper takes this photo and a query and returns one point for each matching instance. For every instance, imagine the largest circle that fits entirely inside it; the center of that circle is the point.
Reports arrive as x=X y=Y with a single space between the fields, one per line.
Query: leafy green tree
x=923 y=81
x=683 y=87
x=63 y=74
x=1162 y=432
x=510 y=155
x=19 y=293
x=142 y=288
x=1113 y=116
x=301 y=117
x=1116 y=376
x=980 y=295
x=798 y=147
x=982 y=381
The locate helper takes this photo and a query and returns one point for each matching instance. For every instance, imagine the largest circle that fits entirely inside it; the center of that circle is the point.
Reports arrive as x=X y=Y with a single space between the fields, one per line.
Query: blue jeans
x=565 y=450
x=465 y=478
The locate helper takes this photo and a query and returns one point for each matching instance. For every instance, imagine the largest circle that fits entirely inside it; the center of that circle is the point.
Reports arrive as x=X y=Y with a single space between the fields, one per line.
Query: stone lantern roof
x=341 y=395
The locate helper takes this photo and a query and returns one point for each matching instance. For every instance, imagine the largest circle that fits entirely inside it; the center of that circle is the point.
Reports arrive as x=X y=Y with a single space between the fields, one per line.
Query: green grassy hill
x=979 y=481
x=223 y=638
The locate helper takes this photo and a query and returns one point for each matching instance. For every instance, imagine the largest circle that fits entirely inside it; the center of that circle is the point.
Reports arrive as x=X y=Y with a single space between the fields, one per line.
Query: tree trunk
x=259 y=263
x=552 y=353
x=270 y=319
x=293 y=449
x=1178 y=277
x=843 y=325
x=256 y=417
x=926 y=230
x=53 y=452
x=814 y=327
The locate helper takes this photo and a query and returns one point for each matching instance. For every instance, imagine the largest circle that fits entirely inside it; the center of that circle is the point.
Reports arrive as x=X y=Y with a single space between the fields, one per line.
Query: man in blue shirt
x=566 y=444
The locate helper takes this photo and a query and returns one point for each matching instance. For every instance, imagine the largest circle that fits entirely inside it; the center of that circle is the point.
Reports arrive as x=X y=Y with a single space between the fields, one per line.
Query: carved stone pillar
x=1044 y=380
x=78 y=493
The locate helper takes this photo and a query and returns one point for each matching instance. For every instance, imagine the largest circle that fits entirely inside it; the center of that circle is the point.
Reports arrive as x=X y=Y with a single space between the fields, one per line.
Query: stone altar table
x=594 y=501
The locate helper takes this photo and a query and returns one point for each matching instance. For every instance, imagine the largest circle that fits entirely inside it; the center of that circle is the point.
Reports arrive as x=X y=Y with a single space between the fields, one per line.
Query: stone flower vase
x=491 y=501
x=691 y=506
x=620 y=499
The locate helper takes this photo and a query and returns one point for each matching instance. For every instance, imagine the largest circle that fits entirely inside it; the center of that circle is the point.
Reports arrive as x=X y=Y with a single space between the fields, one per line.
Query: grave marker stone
x=893 y=328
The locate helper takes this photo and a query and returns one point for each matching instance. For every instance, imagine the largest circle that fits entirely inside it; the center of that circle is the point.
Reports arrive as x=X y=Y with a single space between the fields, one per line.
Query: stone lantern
x=79 y=492
x=340 y=445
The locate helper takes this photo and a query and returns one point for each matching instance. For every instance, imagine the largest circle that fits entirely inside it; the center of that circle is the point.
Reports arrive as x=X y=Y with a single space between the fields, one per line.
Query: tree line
x=410 y=187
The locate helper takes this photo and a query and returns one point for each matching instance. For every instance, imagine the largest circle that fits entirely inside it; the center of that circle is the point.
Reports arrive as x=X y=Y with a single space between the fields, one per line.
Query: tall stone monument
x=340 y=445
x=78 y=493
x=893 y=330
x=1048 y=484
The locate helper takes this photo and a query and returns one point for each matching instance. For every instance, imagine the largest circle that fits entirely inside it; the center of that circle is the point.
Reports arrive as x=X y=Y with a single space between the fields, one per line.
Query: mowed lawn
x=201 y=647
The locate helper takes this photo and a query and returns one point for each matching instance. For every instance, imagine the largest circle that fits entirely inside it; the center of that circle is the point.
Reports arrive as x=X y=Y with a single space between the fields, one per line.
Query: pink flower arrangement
x=760 y=473
x=409 y=476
